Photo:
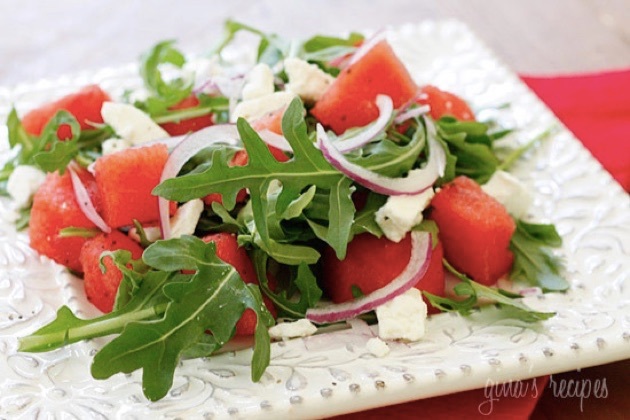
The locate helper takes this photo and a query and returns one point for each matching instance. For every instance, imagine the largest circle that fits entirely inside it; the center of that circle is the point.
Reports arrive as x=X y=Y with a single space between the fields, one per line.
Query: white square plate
x=334 y=373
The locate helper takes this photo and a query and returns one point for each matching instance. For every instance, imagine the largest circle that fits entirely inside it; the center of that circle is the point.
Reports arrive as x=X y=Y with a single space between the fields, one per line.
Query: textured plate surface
x=334 y=373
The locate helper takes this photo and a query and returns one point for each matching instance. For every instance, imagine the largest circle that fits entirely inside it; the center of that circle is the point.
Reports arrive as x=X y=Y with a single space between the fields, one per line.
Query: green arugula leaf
x=213 y=299
x=271 y=49
x=473 y=291
x=509 y=160
x=54 y=154
x=307 y=168
x=365 y=219
x=46 y=151
x=163 y=53
x=148 y=303
x=474 y=158
x=18 y=135
x=534 y=262
x=304 y=280
x=164 y=92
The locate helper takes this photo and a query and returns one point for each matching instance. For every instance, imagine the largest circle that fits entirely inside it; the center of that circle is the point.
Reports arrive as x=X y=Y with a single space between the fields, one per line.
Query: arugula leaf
x=304 y=280
x=271 y=49
x=473 y=291
x=54 y=154
x=18 y=135
x=213 y=299
x=46 y=151
x=509 y=160
x=471 y=147
x=162 y=315
x=164 y=53
x=308 y=167
x=147 y=304
x=365 y=219
x=534 y=263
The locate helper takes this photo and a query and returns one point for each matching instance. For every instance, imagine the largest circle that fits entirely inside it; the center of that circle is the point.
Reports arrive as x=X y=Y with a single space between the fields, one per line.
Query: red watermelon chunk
x=228 y=250
x=101 y=288
x=85 y=105
x=188 y=125
x=371 y=263
x=475 y=230
x=55 y=208
x=271 y=121
x=351 y=99
x=443 y=103
x=126 y=179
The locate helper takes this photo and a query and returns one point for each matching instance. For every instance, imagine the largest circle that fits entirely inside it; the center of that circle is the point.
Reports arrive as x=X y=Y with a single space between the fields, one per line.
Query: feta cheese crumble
x=299 y=328
x=253 y=109
x=401 y=213
x=402 y=318
x=306 y=80
x=131 y=124
x=259 y=82
x=23 y=183
x=510 y=192
x=183 y=222
x=377 y=347
x=110 y=146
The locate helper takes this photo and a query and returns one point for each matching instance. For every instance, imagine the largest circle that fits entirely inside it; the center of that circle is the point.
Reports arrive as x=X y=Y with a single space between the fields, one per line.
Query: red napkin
x=596 y=108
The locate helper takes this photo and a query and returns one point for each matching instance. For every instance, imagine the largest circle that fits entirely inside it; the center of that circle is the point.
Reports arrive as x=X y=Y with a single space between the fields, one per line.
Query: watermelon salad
x=319 y=185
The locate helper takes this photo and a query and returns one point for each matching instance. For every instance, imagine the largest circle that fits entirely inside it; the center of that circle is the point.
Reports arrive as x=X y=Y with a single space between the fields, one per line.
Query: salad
x=320 y=185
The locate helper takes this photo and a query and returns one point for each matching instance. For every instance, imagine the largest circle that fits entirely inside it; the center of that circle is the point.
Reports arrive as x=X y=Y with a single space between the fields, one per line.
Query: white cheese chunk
x=204 y=69
x=114 y=145
x=299 y=328
x=377 y=347
x=186 y=218
x=402 y=318
x=306 y=80
x=259 y=82
x=255 y=108
x=24 y=181
x=401 y=213
x=131 y=124
x=510 y=192
x=183 y=222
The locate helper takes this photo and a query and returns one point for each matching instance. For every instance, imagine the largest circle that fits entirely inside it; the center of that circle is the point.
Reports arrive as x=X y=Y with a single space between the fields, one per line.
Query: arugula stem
x=177 y=116
x=516 y=154
x=108 y=325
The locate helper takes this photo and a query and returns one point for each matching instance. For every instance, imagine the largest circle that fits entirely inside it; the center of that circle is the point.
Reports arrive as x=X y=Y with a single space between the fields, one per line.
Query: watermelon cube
x=371 y=263
x=475 y=230
x=126 y=179
x=101 y=288
x=55 y=208
x=85 y=105
x=350 y=101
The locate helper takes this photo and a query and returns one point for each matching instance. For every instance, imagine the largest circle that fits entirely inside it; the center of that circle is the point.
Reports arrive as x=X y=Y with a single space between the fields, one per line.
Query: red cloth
x=596 y=108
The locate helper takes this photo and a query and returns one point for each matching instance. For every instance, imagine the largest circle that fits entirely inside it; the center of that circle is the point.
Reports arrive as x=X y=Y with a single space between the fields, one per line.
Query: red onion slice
x=421 y=251
x=189 y=147
x=411 y=113
x=85 y=202
x=367 y=46
x=386 y=109
x=170 y=142
x=416 y=181
x=275 y=140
